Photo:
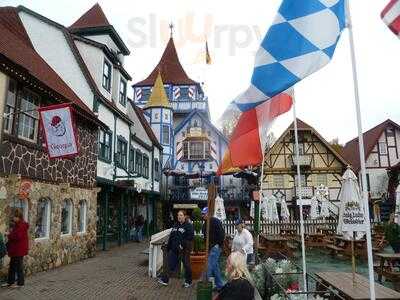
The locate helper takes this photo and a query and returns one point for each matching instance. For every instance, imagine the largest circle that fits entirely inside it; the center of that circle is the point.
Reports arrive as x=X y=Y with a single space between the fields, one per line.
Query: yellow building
x=320 y=164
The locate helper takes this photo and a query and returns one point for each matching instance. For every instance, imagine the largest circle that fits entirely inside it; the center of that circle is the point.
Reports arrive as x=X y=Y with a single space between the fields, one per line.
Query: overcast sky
x=324 y=100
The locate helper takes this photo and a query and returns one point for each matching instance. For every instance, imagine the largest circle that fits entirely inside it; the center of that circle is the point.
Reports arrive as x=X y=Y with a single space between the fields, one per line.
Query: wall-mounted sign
x=199 y=193
x=25 y=189
x=195 y=131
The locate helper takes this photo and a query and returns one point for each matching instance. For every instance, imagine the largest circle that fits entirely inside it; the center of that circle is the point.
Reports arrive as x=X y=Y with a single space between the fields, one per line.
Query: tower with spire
x=158 y=113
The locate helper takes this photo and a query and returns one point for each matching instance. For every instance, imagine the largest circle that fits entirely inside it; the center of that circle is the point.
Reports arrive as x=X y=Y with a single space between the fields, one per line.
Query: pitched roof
x=94 y=17
x=170 y=67
x=158 y=97
x=303 y=126
x=145 y=124
x=351 y=150
x=16 y=47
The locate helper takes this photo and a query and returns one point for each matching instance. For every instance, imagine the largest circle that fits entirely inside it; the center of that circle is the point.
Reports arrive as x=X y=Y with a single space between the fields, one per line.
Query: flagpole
x=303 y=248
x=362 y=155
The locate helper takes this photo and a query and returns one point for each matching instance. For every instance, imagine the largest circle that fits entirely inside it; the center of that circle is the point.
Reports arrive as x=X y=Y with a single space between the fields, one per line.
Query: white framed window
x=165 y=135
x=382 y=148
x=279 y=181
x=107 y=75
x=66 y=217
x=82 y=213
x=28 y=122
x=10 y=106
x=122 y=92
x=43 y=217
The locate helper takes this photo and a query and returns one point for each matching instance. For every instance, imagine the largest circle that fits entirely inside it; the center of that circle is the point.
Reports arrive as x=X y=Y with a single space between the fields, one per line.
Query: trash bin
x=204 y=290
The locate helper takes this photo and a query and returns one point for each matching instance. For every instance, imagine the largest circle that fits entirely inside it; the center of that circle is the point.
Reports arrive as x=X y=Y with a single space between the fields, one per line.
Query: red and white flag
x=59 y=130
x=391 y=16
x=251 y=134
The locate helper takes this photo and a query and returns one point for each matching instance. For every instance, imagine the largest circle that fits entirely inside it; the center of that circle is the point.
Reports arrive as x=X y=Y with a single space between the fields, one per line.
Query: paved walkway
x=120 y=273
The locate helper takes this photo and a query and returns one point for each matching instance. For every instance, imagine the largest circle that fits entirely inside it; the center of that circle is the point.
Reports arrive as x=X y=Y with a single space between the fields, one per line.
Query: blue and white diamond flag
x=301 y=41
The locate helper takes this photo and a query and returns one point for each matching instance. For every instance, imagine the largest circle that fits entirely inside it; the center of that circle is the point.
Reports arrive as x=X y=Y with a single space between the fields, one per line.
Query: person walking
x=139 y=224
x=239 y=286
x=216 y=242
x=17 y=248
x=179 y=247
x=243 y=241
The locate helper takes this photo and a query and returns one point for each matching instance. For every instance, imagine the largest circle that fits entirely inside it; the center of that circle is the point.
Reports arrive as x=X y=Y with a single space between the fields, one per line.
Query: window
x=279 y=181
x=322 y=179
x=131 y=166
x=165 y=135
x=22 y=205
x=146 y=92
x=82 y=216
x=105 y=143
x=196 y=149
x=43 y=212
x=184 y=93
x=301 y=149
x=66 y=217
x=390 y=132
x=156 y=170
x=107 y=75
x=145 y=166
x=138 y=162
x=29 y=117
x=10 y=106
x=122 y=92
x=302 y=179
x=382 y=148
x=121 y=152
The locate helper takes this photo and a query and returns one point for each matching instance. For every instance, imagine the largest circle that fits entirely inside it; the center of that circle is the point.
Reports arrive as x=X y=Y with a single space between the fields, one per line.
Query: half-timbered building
x=382 y=151
x=319 y=162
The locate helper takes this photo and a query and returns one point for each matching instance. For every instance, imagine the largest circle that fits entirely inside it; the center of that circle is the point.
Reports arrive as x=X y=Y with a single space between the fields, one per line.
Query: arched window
x=82 y=210
x=43 y=216
x=66 y=217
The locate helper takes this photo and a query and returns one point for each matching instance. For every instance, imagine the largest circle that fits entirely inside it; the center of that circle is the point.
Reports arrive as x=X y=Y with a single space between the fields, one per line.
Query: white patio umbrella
x=285 y=215
x=272 y=211
x=397 y=209
x=219 y=211
x=352 y=222
x=325 y=212
x=314 y=211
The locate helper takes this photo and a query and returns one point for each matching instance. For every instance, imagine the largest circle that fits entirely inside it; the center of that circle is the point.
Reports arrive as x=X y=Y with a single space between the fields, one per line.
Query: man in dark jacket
x=179 y=248
x=17 y=248
x=216 y=242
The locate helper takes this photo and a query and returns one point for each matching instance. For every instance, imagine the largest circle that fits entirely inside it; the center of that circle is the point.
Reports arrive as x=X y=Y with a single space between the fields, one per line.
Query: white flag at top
x=59 y=130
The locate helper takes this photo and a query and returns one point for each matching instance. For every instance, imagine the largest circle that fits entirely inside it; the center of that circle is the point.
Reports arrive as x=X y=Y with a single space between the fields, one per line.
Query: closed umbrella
x=219 y=212
x=285 y=215
x=397 y=209
x=314 y=211
x=352 y=223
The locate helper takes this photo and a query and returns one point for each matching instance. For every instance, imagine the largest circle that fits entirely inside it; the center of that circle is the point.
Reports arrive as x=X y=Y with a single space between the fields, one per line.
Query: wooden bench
x=334 y=249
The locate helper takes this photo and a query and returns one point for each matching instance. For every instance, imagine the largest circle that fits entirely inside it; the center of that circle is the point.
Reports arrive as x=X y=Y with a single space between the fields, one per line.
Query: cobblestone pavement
x=120 y=273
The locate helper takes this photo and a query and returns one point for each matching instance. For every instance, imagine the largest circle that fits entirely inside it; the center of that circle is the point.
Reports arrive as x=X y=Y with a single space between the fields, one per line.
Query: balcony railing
x=303 y=161
x=188 y=105
x=304 y=191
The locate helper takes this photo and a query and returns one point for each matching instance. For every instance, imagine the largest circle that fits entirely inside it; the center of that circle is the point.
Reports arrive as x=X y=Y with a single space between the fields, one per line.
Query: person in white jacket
x=243 y=241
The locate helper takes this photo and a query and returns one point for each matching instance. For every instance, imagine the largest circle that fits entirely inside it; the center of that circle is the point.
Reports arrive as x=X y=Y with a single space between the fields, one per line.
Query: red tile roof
x=170 y=67
x=145 y=124
x=94 y=17
x=351 y=150
x=16 y=47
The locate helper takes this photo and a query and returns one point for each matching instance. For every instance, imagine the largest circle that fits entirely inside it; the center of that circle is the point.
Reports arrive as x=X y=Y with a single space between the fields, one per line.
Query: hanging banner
x=59 y=130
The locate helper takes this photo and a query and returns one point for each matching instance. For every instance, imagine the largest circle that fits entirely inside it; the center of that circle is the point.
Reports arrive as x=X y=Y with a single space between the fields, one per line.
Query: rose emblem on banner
x=57 y=126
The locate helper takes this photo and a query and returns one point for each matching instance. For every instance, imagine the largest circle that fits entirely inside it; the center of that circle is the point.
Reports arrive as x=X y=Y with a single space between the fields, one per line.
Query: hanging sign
x=59 y=130
x=199 y=193
x=25 y=189
x=353 y=217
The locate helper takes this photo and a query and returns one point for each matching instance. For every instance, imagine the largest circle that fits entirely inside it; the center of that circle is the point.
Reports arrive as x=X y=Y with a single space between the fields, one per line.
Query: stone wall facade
x=57 y=249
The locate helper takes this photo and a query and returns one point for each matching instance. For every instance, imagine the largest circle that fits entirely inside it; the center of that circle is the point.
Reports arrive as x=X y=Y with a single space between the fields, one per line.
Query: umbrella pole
x=353 y=260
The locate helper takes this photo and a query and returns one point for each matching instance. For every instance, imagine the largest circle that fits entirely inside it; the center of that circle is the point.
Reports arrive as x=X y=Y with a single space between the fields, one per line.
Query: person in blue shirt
x=180 y=244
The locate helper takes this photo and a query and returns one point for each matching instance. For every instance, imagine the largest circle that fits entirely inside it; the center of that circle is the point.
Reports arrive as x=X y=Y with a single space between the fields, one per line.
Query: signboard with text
x=199 y=193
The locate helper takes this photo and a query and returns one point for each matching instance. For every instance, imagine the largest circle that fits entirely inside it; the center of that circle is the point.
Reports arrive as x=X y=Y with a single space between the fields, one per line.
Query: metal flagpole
x=303 y=247
x=362 y=155
x=257 y=216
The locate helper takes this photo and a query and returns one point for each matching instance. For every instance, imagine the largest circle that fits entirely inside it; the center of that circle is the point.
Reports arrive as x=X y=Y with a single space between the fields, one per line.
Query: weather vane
x=171 y=27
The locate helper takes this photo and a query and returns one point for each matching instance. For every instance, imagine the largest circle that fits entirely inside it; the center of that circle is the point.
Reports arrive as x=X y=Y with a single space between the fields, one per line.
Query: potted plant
x=198 y=256
x=392 y=235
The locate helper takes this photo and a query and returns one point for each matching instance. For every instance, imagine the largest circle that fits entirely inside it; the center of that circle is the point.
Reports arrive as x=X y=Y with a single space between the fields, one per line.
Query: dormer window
x=122 y=92
x=107 y=75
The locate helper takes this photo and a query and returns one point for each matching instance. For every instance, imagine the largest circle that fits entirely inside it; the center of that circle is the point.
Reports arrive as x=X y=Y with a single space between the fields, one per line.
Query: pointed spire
x=94 y=17
x=170 y=67
x=171 y=28
x=158 y=97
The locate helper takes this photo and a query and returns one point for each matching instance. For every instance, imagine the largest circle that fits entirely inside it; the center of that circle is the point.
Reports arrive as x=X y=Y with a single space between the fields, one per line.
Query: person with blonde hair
x=239 y=286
